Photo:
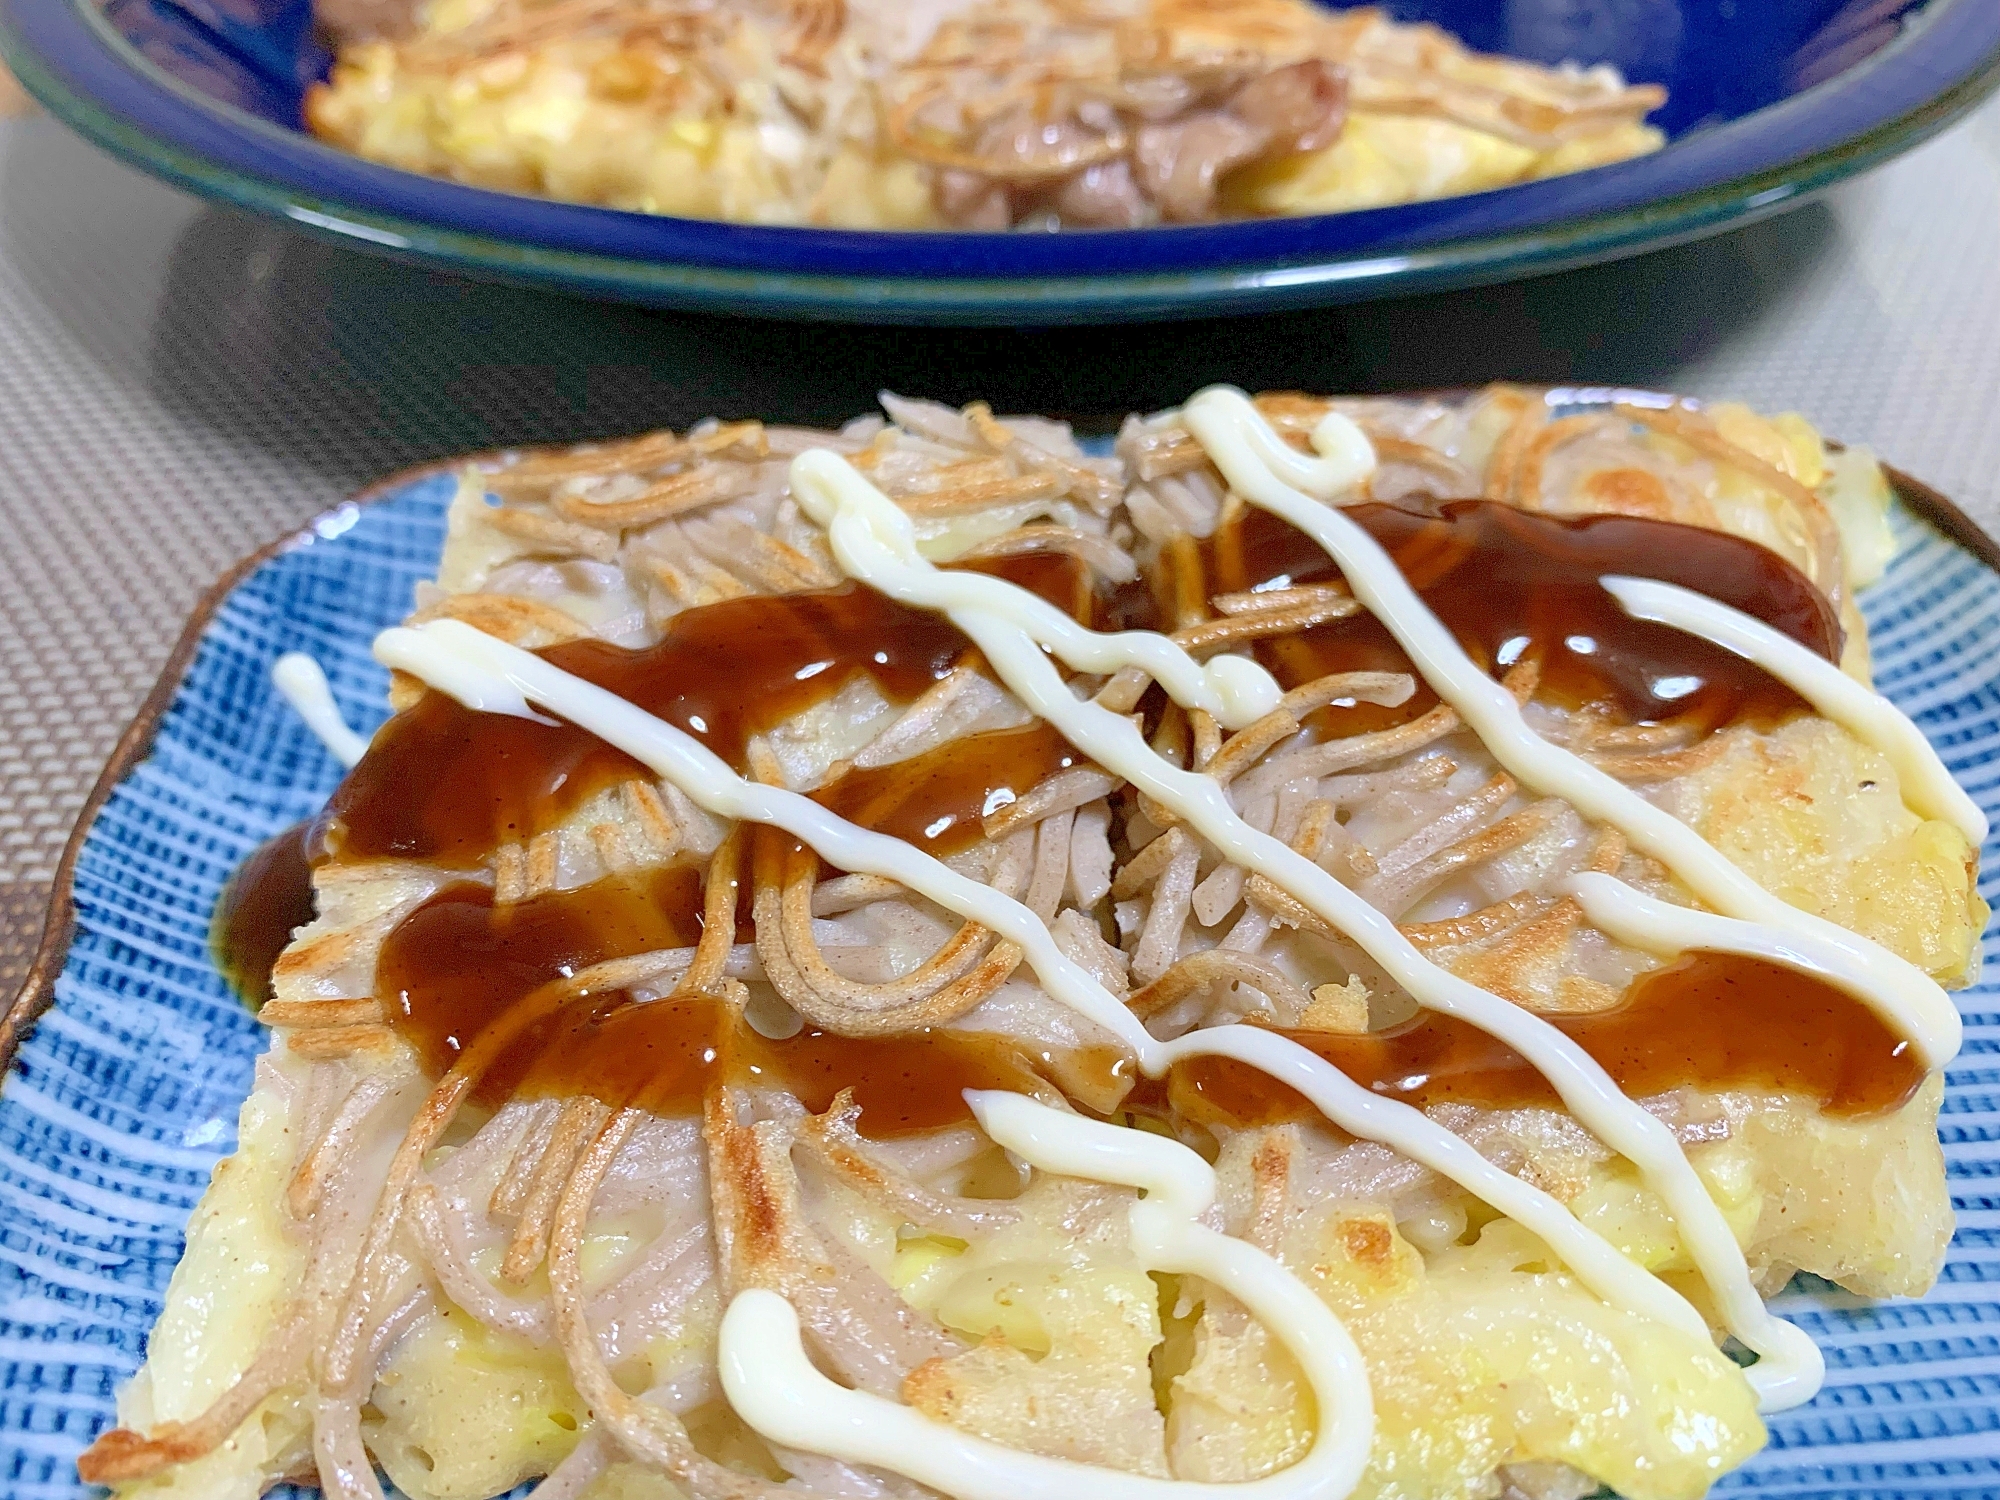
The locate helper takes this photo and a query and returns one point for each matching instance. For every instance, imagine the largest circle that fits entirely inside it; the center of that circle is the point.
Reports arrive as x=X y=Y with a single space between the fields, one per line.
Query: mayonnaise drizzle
x=302 y=682
x=1662 y=928
x=873 y=541
x=1234 y=689
x=774 y=1387
x=1267 y=473
x=1925 y=783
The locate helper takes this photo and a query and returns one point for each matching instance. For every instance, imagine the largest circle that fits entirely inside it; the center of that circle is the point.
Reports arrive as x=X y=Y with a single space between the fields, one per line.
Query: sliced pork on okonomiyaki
x=1030 y=114
x=1346 y=944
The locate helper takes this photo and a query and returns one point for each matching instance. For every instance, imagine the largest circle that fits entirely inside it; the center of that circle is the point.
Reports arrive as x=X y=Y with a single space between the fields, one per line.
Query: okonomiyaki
x=1036 y=114
x=1343 y=946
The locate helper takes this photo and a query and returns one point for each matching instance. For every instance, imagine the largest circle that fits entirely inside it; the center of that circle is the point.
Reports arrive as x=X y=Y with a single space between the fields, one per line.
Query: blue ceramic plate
x=1769 y=100
x=124 y=1093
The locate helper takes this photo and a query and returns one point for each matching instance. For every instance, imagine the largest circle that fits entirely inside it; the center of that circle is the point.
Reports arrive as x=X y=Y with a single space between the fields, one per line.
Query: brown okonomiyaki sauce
x=447 y=785
x=1713 y=1020
x=936 y=800
x=1514 y=586
x=459 y=966
x=264 y=900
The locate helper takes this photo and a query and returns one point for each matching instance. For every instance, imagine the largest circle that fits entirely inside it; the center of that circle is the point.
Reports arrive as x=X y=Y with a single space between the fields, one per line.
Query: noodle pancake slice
x=565 y=1063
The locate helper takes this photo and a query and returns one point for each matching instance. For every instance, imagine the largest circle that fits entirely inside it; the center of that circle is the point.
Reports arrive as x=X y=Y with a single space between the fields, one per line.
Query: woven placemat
x=180 y=384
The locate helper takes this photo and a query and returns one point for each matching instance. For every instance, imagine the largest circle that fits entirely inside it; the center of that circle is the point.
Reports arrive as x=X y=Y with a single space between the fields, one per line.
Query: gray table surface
x=181 y=383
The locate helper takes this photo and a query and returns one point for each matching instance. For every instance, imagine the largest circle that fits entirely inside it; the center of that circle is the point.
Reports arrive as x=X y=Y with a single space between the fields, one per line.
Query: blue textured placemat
x=125 y=1095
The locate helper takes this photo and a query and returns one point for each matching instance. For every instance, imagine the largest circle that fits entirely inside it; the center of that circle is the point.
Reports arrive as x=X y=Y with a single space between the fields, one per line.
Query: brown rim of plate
x=38 y=988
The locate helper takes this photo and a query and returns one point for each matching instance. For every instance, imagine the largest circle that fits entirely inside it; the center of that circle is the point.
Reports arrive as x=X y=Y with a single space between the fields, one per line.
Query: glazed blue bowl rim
x=1946 y=59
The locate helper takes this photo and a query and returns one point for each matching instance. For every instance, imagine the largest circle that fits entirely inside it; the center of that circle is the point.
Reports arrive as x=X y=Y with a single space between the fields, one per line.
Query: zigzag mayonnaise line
x=1234 y=689
x=1926 y=785
x=1258 y=466
x=873 y=541
x=775 y=1388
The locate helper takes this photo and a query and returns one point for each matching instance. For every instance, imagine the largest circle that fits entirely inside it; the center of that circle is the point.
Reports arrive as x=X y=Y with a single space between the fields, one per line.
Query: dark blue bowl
x=1769 y=100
